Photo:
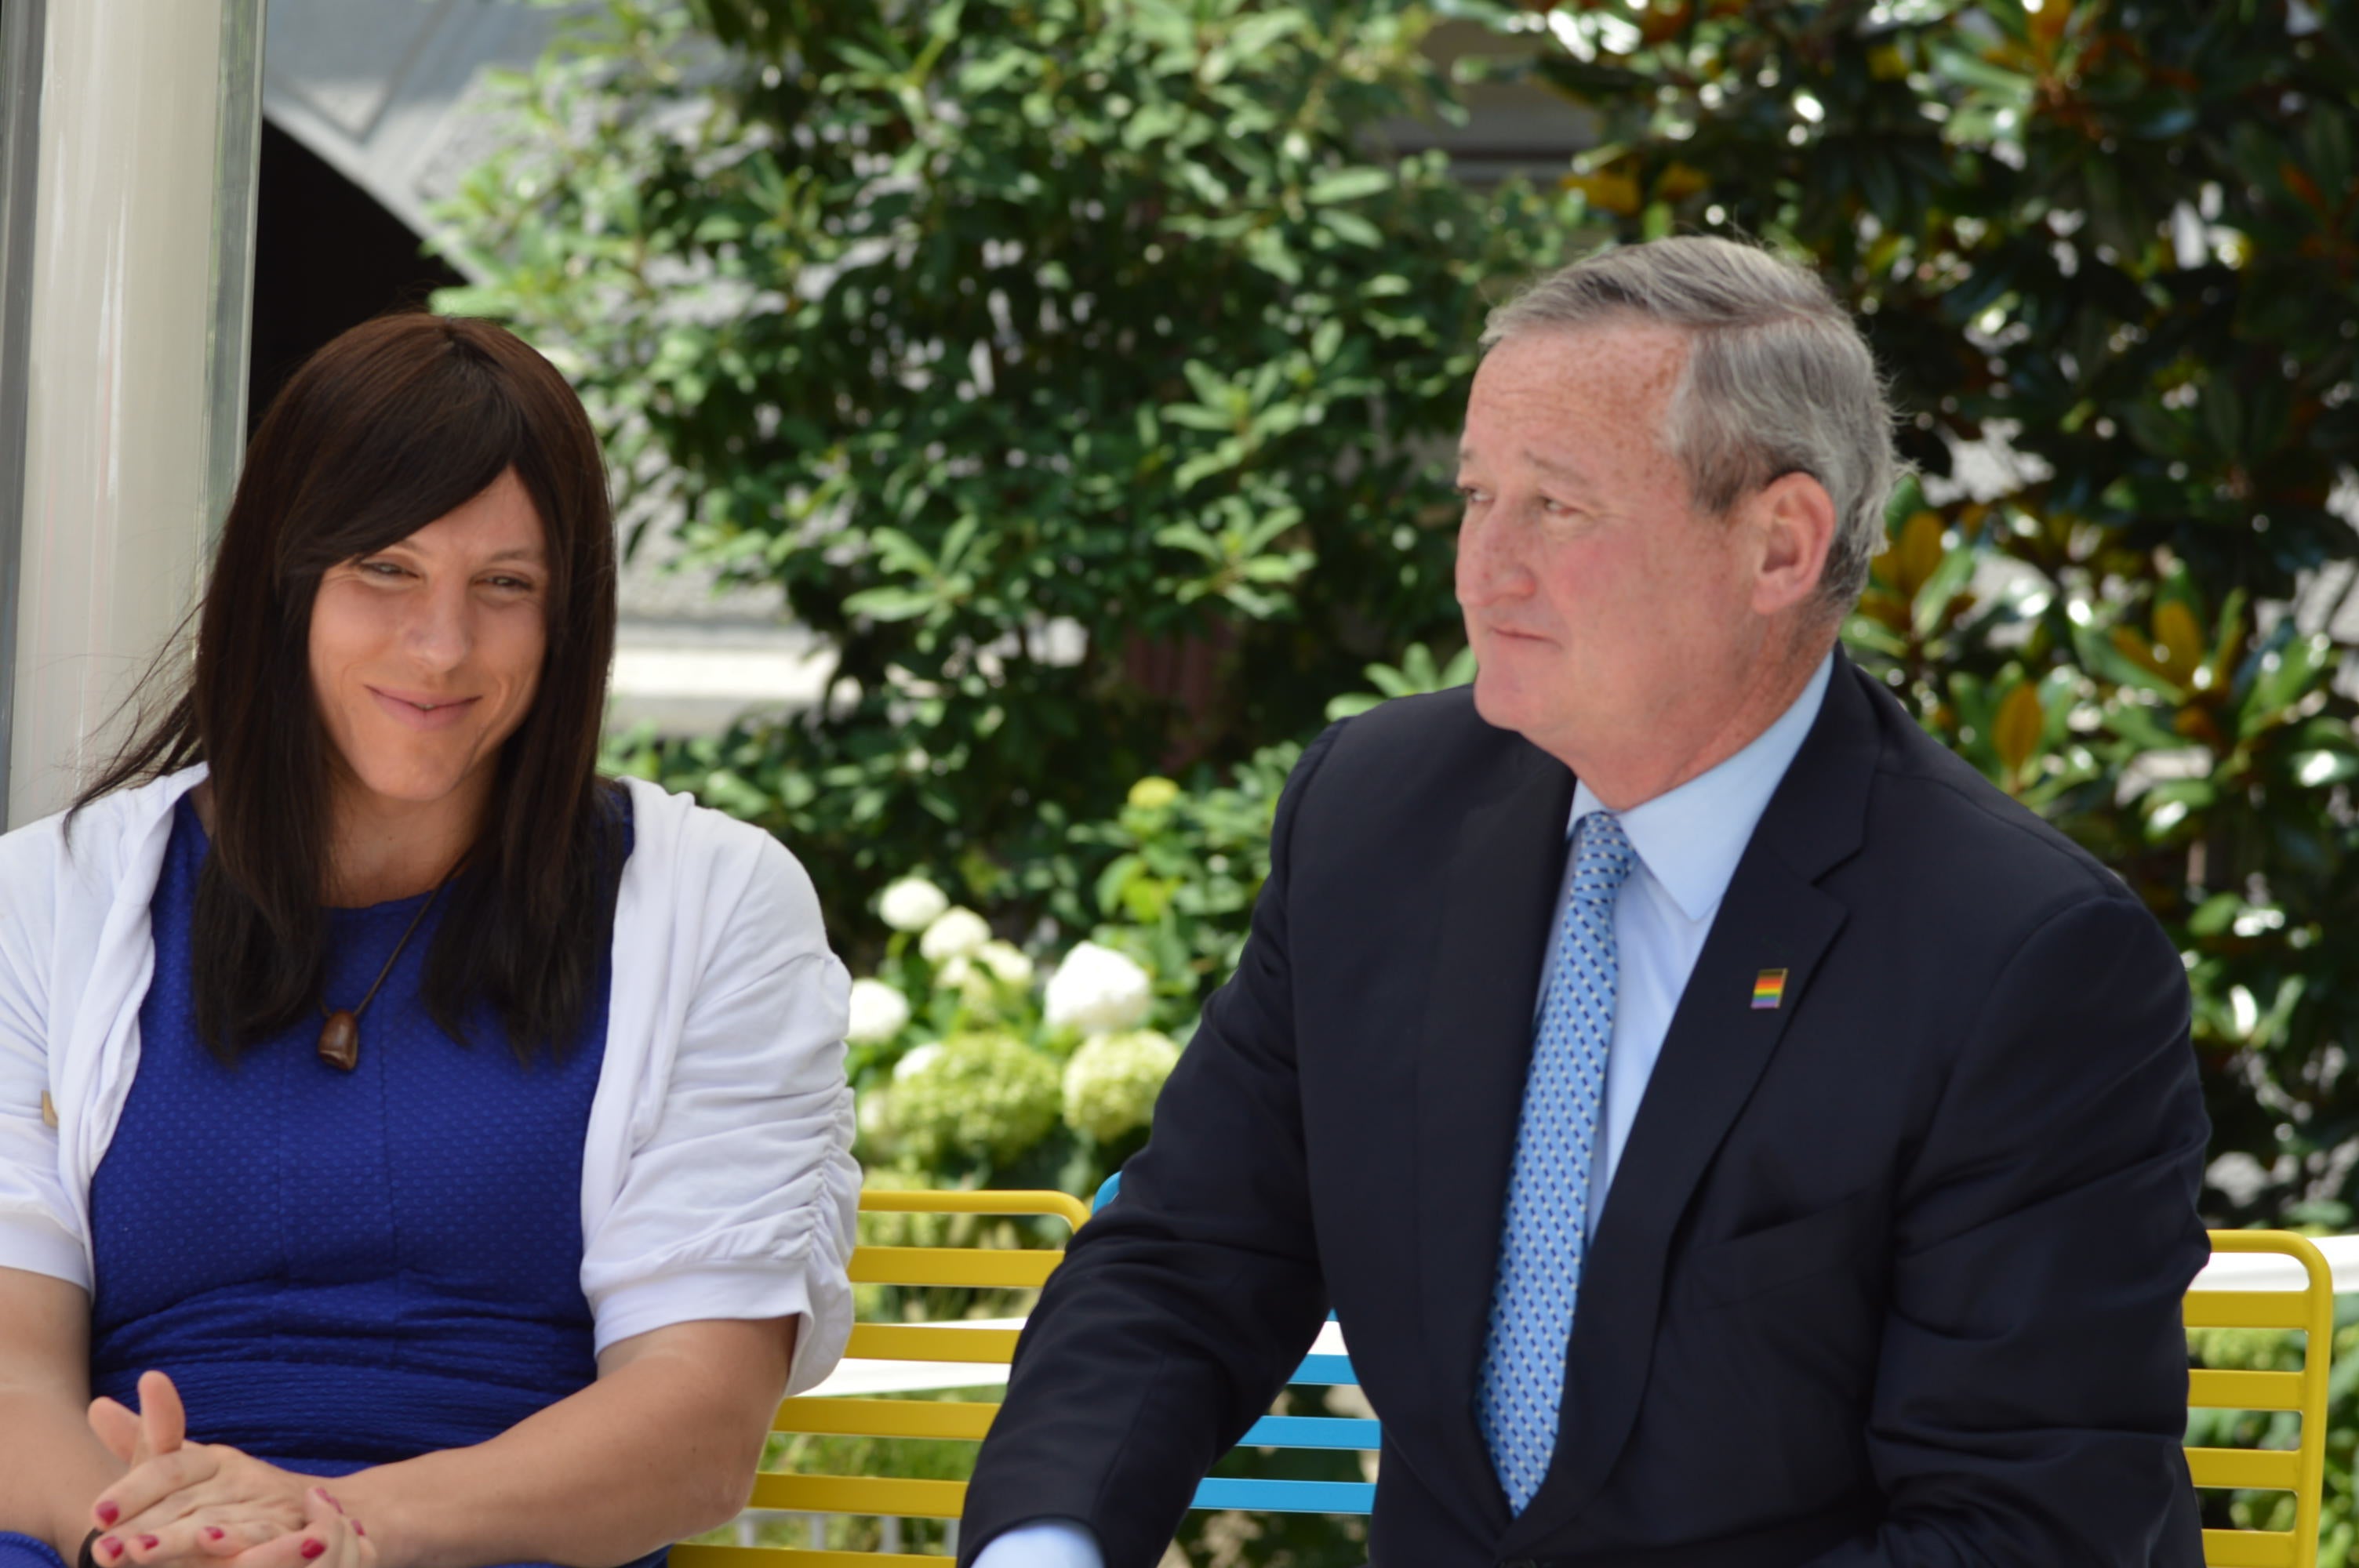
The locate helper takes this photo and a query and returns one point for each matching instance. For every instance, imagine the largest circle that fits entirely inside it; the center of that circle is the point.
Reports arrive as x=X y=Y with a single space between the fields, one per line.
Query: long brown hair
x=388 y=428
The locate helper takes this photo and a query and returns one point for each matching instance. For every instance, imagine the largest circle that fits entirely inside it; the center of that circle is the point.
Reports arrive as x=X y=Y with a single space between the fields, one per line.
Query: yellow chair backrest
x=894 y=1497
x=2300 y=1470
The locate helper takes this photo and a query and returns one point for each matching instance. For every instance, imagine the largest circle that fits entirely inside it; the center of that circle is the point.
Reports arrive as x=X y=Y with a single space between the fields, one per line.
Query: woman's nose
x=437 y=633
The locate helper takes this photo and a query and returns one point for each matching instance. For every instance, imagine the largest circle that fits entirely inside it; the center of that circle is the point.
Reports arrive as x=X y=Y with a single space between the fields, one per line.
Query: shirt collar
x=1690 y=838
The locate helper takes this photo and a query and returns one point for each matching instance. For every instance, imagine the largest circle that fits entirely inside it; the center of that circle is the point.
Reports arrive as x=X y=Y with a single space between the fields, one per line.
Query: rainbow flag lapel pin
x=1768 y=990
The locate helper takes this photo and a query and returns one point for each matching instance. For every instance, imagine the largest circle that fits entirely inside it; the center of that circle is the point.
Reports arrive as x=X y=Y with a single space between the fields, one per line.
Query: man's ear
x=1796 y=520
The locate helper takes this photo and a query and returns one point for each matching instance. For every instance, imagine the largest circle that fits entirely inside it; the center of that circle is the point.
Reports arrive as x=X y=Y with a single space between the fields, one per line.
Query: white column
x=132 y=362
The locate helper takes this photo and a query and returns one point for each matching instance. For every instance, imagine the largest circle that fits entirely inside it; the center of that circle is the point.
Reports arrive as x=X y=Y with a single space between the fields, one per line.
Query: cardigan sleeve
x=38 y=1228
x=739 y=1202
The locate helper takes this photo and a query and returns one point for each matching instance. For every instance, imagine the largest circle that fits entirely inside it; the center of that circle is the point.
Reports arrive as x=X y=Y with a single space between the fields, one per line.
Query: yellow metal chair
x=982 y=1268
x=2300 y=1470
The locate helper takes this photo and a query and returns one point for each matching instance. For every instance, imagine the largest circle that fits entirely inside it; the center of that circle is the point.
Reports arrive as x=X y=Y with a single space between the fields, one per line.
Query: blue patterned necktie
x=1548 y=1193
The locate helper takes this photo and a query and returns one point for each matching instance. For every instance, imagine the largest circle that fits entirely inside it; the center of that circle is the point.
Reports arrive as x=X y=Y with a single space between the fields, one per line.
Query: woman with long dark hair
x=380 y=1087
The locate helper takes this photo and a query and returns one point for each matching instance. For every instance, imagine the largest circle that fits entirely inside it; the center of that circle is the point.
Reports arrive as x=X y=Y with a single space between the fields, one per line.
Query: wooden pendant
x=339 y=1041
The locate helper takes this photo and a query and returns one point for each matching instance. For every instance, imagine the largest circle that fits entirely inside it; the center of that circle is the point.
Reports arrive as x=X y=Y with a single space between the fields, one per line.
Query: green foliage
x=1063 y=360
x=1417 y=672
x=1182 y=869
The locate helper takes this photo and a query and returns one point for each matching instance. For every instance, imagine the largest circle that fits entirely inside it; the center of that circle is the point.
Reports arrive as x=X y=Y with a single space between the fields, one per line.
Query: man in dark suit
x=1792 y=1163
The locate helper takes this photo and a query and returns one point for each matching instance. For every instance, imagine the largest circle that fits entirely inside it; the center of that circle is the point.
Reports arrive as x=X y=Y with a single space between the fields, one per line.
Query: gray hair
x=1778 y=378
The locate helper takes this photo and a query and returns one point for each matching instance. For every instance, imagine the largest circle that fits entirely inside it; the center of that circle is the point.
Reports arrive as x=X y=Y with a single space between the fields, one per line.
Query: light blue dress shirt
x=1688 y=842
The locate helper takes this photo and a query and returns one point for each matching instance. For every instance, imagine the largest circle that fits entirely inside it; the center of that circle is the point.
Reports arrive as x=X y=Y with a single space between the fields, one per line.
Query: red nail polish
x=108 y=1513
x=359 y=1528
x=150 y=1542
x=312 y=1549
x=212 y=1532
x=111 y=1546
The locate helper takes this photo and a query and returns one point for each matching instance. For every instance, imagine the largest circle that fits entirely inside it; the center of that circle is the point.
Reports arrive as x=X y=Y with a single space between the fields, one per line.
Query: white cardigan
x=717 y=1180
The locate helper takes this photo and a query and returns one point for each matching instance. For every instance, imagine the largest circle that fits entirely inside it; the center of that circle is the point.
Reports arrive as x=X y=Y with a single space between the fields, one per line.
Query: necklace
x=339 y=1037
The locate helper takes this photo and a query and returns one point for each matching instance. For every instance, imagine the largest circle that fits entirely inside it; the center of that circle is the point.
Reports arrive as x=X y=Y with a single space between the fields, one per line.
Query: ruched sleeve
x=738 y=1200
x=38 y=1230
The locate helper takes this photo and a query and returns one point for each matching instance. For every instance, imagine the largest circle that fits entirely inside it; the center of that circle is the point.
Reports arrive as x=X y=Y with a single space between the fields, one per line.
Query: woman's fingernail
x=111 y=1546
x=108 y=1513
x=359 y=1528
x=149 y=1543
x=212 y=1532
x=312 y=1549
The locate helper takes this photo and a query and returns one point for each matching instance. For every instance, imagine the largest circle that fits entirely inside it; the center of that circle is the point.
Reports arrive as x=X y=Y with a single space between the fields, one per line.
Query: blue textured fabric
x=339 y=1270
x=20 y=1551
x=1522 y=1381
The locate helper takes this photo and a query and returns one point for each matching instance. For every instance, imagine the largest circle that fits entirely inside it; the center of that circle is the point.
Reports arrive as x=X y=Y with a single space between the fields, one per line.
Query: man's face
x=1597 y=603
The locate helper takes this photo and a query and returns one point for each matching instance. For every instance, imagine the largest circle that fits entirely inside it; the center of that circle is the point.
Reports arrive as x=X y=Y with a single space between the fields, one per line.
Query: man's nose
x=1488 y=566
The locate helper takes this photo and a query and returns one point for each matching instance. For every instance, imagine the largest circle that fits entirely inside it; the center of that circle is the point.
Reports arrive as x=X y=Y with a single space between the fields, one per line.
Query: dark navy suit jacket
x=1889 y=1274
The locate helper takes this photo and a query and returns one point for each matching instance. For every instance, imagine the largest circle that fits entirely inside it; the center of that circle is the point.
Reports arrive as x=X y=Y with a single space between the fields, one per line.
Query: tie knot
x=1601 y=856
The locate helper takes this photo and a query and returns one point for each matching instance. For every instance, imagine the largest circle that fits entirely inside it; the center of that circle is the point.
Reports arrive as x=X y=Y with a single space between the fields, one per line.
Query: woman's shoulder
x=723 y=862
x=85 y=848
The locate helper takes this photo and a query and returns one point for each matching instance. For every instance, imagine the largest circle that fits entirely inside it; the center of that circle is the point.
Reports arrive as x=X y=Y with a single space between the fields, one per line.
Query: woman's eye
x=379 y=570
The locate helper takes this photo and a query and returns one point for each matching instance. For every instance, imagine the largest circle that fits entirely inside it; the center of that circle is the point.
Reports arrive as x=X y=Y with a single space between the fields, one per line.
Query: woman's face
x=426 y=655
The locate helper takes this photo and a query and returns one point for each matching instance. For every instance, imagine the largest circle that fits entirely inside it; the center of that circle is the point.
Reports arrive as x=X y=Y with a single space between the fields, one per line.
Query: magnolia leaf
x=2015 y=733
x=2180 y=637
x=1917 y=553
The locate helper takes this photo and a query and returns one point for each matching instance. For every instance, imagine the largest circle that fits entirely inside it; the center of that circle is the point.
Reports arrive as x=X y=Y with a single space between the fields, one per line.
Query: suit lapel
x=1474 y=1048
x=1772 y=917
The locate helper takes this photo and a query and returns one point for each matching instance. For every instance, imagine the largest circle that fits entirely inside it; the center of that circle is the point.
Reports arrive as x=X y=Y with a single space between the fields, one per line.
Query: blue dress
x=339 y=1270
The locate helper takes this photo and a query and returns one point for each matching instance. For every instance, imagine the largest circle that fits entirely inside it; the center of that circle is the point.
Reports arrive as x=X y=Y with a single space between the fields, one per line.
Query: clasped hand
x=189 y=1503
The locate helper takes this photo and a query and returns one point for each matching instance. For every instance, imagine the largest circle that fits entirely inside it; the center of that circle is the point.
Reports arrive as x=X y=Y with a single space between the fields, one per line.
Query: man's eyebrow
x=1555 y=468
x=1569 y=472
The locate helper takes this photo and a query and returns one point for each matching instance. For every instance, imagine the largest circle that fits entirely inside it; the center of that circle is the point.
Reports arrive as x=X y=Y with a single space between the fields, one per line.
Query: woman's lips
x=414 y=711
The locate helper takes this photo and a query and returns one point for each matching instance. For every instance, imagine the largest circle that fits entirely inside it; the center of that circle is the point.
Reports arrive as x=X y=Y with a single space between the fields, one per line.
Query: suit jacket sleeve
x=1182 y=1307
x=2032 y=1390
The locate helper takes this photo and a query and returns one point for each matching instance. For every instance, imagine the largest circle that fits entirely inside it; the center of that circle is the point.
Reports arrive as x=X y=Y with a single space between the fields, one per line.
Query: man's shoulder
x=1432 y=740
x=1963 y=845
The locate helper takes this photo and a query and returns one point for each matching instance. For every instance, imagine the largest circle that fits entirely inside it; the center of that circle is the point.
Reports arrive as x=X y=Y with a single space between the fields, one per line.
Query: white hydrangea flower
x=953 y=934
x=1098 y=990
x=1006 y=962
x=915 y=1059
x=1111 y=1082
x=873 y=1112
x=879 y=1012
x=911 y=904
